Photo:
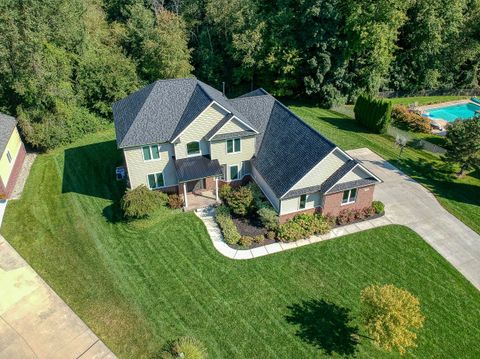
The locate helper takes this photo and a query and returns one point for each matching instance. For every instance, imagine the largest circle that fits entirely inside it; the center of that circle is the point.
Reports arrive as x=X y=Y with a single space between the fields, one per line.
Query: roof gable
x=7 y=125
x=289 y=149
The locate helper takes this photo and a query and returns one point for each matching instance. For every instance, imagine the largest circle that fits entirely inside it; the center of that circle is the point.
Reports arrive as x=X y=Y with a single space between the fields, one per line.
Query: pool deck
x=442 y=123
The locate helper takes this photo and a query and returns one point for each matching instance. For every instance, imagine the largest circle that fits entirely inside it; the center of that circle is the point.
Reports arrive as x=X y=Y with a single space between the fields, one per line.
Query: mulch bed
x=249 y=226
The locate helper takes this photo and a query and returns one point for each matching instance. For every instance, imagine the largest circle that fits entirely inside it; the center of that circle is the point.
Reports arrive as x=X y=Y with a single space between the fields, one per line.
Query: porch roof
x=193 y=168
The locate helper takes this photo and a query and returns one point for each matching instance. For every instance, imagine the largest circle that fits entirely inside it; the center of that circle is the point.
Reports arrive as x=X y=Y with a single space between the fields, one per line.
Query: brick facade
x=285 y=217
x=332 y=204
x=7 y=190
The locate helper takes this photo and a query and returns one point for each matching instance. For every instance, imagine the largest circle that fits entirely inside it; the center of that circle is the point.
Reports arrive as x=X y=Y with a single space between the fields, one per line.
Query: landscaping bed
x=247 y=220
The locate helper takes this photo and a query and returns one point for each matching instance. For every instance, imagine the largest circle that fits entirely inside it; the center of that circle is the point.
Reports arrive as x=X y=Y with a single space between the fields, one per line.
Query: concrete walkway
x=406 y=202
x=34 y=321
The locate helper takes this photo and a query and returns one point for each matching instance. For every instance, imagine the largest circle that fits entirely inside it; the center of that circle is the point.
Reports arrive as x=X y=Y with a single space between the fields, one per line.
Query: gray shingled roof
x=7 y=124
x=218 y=126
x=353 y=184
x=193 y=168
x=162 y=110
x=239 y=134
x=289 y=149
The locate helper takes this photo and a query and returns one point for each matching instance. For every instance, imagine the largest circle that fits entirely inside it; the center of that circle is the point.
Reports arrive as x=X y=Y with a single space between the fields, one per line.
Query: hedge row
x=372 y=113
x=228 y=227
x=302 y=226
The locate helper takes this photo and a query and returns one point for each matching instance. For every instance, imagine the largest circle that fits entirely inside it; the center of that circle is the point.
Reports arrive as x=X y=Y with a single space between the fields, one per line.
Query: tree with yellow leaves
x=391 y=315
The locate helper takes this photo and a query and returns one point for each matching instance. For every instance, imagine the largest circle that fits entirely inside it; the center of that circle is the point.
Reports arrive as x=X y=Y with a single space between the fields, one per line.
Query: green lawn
x=459 y=196
x=425 y=100
x=138 y=285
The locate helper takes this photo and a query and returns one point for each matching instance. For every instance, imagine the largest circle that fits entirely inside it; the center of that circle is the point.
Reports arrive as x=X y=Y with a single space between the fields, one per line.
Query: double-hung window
x=349 y=196
x=303 y=201
x=193 y=148
x=233 y=145
x=155 y=180
x=9 y=157
x=151 y=152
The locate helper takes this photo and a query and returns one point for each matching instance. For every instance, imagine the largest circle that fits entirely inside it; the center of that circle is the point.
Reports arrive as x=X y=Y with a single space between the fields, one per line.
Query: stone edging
x=207 y=216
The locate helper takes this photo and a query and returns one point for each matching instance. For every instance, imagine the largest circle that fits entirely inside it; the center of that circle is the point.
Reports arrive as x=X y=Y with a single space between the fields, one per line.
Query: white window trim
x=234 y=152
x=151 y=154
x=239 y=175
x=350 y=201
x=9 y=156
x=195 y=154
x=155 y=174
x=300 y=201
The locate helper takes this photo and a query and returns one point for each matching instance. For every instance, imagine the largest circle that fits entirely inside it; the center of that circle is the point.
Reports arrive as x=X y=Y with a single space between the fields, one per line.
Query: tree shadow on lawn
x=439 y=178
x=325 y=326
x=90 y=170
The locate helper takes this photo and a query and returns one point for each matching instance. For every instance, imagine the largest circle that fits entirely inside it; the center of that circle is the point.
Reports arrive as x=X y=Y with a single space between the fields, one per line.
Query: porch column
x=216 y=188
x=185 y=194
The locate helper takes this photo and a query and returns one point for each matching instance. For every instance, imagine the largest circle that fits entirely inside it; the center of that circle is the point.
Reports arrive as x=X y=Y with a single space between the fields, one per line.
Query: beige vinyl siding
x=219 y=151
x=138 y=169
x=322 y=170
x=265 y=188
x=293 y=204
x=13 y=147
x=232 y=126
x=356 y=174
x=197 y=130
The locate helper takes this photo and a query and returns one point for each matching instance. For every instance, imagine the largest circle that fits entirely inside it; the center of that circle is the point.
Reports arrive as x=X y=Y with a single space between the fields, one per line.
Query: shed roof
x=7 y=125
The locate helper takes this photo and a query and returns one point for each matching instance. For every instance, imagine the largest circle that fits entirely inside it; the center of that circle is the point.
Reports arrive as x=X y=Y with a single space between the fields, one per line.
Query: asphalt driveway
x=34 y=321
x=410 y=204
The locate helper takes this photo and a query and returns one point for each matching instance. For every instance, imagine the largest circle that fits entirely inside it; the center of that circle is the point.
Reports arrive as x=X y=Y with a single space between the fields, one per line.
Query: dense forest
x=63 y=62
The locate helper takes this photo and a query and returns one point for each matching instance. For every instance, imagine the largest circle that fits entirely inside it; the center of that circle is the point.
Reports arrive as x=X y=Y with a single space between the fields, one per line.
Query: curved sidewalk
x=406 y=202
x=34 y=321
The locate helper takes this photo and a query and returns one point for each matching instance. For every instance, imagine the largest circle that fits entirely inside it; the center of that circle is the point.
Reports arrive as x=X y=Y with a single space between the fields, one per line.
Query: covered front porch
x=198 y=181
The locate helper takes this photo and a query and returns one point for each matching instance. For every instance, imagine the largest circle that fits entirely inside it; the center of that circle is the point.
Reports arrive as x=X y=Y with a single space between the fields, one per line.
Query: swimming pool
x=451 y=113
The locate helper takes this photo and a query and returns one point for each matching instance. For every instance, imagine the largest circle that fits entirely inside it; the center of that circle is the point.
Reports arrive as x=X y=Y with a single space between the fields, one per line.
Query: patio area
x=200 y=199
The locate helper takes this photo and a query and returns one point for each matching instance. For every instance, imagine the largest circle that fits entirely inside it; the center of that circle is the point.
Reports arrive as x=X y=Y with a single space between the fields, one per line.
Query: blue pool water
x=451 y=113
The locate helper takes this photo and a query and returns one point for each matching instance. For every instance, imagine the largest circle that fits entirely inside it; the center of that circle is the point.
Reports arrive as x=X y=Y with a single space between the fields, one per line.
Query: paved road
x=34 y=321
x=410 y=204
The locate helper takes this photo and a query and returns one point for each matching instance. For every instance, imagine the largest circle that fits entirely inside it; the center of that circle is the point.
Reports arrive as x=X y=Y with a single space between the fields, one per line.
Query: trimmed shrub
x=240 y=201
x=378 y=206
x=224 y=191
x=140 y=202
x=186 y=348
x=407 y=120
x=246 y=241
x=372 y=113
x=258 y=239
x=269 y=218
x=368 y=211
x=271 y=235
x=175 y=201
x=290 y=231
x=259 y=200
x=345 y=216
x=229 y=229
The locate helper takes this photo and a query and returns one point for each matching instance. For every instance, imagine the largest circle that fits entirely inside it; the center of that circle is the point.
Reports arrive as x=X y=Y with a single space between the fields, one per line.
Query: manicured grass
x=425 y=100
x=459 y=196
x=138 y=285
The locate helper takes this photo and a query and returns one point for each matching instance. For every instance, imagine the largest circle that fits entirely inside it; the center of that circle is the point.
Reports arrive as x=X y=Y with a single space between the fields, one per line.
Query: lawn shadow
x=90 y=170
x=440 y=180
x=324 y=325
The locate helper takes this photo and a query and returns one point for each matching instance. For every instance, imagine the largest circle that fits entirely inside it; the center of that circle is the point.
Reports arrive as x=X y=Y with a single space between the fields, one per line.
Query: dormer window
x=193 y=148
x=233 y=145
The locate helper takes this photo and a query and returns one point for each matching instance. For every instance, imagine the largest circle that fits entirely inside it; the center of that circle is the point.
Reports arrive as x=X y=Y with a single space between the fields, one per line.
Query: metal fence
x=418 y=143
x=445 y=92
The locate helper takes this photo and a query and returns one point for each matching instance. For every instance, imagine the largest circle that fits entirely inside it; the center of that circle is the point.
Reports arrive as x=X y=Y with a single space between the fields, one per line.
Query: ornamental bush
x=410 y=121
x=290 y=231
x=246 y=241
x=259 y=200
x=224 y=191
x=186 y=348
x=140 y=202
x=175 y=201
x=269 y=218
x=229 y=229
x=373 y=113
x=240 y=200
x=258 y=239
x=302 y=226
x=378 y=206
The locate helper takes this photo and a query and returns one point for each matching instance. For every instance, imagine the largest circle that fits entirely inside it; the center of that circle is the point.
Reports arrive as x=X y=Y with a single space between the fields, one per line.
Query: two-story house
x=183 y=135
